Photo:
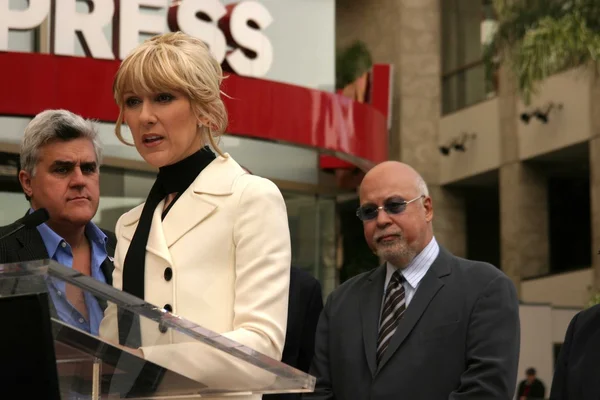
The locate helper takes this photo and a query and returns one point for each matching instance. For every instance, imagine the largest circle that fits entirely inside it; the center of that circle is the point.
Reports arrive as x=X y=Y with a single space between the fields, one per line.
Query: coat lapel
x=370 y=308
x=32 y=245
x=156 y=244
x=191 y=209
x=201 y=199
x=108 y=266
x=426 y=291
x=196 y=204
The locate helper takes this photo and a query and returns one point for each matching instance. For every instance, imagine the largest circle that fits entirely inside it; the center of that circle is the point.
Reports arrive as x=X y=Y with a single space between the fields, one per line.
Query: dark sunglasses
x=390 y=206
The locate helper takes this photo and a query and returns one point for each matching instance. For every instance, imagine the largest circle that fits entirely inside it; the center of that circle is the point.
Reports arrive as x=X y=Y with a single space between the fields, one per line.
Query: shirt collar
x=52 y=240
x=418 y=267
x=95 y=234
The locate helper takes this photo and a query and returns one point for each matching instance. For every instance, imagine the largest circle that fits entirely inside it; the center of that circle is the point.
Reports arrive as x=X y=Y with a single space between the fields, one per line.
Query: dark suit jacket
x=577 y=372
x=459 y=338
x=27 y=245
x=304 y=307
x=537 y=391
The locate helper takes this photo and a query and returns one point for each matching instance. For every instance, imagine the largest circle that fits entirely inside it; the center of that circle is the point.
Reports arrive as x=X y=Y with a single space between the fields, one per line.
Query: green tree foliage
x=538 y=38
x=351 y=62
x=595 y=299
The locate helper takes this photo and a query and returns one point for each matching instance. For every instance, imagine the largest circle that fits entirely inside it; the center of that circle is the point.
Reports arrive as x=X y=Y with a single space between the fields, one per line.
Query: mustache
x=378 y=236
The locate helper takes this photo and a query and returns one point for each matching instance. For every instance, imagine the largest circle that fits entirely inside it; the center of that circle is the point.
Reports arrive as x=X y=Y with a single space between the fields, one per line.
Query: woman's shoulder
x=248 y=185
x=246 y=182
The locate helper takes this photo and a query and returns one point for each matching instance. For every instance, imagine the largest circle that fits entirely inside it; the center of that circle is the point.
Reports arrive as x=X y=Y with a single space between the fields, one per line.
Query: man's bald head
x=402 y=228
x=395 y=170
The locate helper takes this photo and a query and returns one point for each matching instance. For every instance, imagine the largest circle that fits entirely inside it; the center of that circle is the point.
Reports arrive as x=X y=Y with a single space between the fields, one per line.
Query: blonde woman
x=211 y=243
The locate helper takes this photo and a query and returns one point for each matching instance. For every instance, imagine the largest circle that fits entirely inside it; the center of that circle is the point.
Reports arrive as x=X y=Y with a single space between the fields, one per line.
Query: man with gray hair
x=425 y=325
x=60 y=159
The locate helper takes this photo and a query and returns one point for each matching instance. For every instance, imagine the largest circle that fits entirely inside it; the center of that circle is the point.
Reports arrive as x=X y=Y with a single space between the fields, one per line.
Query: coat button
x=168 y=274
x=162 y=328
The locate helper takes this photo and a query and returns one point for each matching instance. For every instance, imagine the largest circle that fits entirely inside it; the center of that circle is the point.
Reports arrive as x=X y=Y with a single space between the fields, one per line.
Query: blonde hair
x=175 y=62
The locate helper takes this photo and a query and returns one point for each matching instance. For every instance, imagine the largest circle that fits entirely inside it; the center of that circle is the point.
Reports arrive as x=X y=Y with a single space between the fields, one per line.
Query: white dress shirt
x=415 y=271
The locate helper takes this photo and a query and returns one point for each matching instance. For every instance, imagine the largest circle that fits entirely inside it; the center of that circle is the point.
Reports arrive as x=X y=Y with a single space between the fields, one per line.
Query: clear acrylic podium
x=41 y=350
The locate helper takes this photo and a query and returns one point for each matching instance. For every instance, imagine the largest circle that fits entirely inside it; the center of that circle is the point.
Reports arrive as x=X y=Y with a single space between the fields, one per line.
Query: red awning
x=258 y=108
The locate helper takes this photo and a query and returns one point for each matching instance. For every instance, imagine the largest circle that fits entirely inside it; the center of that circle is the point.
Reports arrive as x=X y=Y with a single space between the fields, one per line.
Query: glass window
x=356 y=256
x=12 y=200
x=467 y=25
x=313 y=234
x=22 y=40
x=569 y=226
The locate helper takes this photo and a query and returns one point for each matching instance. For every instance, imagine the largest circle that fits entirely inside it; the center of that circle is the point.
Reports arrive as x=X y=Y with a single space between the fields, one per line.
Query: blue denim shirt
x=60 y=251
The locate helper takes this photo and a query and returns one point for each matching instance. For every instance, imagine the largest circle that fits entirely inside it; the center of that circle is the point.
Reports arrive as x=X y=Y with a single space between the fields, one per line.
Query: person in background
x=211 y=243
x=531 y=388
x=577 y=368
x=426 y=325
x=60 y=160
x=304 y=308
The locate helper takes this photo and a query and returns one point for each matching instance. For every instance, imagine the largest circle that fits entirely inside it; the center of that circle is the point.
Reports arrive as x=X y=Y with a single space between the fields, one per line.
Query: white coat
x=227 y=242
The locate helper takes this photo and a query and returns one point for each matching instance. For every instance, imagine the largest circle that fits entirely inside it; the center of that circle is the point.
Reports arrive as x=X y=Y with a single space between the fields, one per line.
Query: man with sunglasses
x=425 y=325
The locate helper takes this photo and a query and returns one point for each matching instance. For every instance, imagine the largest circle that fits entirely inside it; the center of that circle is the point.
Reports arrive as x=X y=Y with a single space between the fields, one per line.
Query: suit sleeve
x=320 y=363
x=262 y=268
x=307 y=347
x=493 y=342
x=559 y=381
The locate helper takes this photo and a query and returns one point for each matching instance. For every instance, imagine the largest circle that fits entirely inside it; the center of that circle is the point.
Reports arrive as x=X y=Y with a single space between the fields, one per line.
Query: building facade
x=66 y=56
x=513 y=184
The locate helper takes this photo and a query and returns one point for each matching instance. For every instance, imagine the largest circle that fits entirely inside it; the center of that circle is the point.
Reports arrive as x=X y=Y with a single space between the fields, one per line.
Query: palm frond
x=594 y=299
x=553 y=46
x=352 y=62
x=539 y=38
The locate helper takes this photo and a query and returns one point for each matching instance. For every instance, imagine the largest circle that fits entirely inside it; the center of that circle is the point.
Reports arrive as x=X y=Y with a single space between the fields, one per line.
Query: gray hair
x=51 y=125
x=422 y=186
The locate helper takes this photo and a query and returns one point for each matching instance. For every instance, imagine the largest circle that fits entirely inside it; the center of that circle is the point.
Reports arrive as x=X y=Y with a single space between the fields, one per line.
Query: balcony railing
x=466 y=86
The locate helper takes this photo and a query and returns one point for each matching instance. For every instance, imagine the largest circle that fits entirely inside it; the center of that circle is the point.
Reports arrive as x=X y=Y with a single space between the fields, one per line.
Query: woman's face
x=163 y=125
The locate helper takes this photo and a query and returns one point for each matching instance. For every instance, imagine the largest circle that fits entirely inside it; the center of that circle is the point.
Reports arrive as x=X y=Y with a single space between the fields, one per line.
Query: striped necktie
x=393 y=309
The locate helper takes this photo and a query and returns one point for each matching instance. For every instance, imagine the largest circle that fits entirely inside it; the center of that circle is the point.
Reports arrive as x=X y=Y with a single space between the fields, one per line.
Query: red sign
x=240 y=26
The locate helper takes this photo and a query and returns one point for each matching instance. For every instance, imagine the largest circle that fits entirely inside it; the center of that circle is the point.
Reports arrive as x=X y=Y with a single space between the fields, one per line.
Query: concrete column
x=524 y=241
x=507 y=103
x=378 y=26
x=406 y=33
x=449 y=221
x=523 y=222
x=420 y=113
x=509 y=153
